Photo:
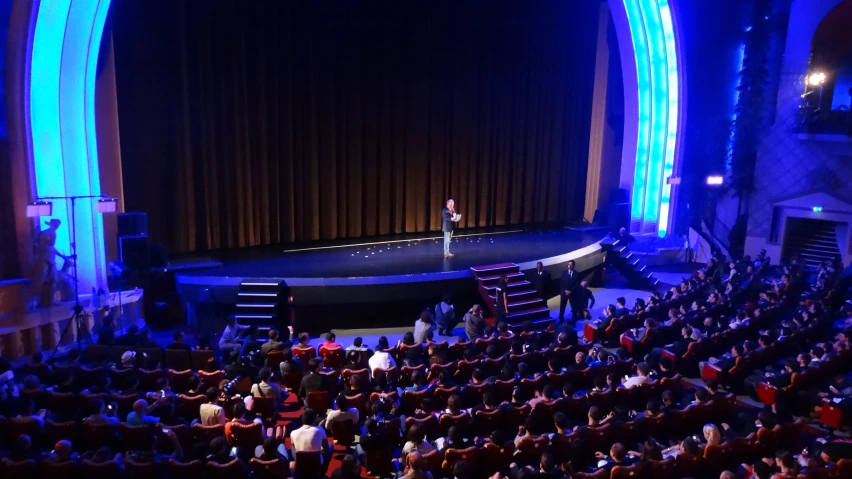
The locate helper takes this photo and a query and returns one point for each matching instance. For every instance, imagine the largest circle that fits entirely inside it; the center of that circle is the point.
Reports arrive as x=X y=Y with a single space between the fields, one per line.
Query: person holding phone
x=102 y=414
x=220 y=451
x=642 y=371
x=139 y=416
x=148 y=450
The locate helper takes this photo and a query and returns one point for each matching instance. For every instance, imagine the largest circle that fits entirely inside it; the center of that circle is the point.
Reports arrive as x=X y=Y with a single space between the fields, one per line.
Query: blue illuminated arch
x=62 y=71
x=652 y=34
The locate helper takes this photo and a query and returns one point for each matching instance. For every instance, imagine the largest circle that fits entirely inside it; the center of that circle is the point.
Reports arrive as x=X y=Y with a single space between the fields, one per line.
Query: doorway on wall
x=814 y=241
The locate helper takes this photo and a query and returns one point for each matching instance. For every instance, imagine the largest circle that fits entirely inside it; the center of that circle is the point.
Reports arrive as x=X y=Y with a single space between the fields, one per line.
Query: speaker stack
x=145 y=265
x=133 y=244
x=618 y=209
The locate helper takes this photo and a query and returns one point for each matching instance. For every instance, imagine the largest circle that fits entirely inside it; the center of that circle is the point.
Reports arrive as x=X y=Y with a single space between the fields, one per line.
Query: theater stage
x=385 y=281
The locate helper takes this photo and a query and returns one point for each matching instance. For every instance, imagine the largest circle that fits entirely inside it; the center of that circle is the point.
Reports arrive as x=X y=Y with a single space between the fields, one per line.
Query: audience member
x=642 y=371
x=330 y=341
x=357 y=345
x=228 y=342
x=381 y=358
x=309 y=437
x=211 y=413
x=314 y=381
x=178 y=343
x=139 y=416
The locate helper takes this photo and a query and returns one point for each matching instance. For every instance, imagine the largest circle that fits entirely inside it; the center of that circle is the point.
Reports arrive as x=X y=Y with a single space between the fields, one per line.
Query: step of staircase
x=517 y=296
x=493 y=280
x=252 y=317
x=515 y=319
x=248 y=294
x=517 y=287
x=518 y=306
x=827 y=242
x=816 y=248
x=495 y=269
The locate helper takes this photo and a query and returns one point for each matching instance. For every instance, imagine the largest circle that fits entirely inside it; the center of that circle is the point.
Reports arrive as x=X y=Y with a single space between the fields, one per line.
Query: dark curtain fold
x=260 y=122
x=9 y=263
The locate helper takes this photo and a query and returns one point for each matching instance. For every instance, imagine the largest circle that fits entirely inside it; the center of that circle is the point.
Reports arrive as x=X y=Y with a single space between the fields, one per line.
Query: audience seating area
x=618 y=403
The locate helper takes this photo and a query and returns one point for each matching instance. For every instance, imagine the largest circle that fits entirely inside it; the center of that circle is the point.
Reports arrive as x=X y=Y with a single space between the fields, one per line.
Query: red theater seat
x=184 y=470
x=274 y=469
x=230 y=470
x=318 y=401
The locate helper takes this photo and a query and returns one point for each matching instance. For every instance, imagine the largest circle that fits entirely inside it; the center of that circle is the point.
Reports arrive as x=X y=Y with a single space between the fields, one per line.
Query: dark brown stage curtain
x=260 y=122
x=9 y=264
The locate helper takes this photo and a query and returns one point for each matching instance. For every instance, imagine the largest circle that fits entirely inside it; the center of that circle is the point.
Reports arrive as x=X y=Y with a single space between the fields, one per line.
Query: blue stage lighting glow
x=62 y=116
x=44 y=112
x=736 y=100
x=654 y=44
x=672 y=93
x=659 y=111
x=643 y=80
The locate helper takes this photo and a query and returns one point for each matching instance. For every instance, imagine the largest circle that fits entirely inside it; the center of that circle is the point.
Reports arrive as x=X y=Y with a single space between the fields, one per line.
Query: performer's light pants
x=448 y=236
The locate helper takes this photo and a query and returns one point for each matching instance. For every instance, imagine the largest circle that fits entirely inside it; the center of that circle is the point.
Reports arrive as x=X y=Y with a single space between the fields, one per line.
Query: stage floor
x=399 y=256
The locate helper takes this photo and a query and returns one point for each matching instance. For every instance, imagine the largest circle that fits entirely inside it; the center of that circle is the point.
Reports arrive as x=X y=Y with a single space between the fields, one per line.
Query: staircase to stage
x=629 y=264
x=524 y=303
x=262 y=303
x=815 y=241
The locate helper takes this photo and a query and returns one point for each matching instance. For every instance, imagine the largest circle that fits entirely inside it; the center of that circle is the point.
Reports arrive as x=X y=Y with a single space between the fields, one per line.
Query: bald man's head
x=140 y=406
x=63 y=449
x=415 y=461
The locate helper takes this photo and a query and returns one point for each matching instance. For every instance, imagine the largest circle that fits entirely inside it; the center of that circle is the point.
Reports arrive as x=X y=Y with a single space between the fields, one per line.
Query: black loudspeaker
x=619 y=216
x=600 y=218
x=132 y=224
x=619 y=195
x=135 y=253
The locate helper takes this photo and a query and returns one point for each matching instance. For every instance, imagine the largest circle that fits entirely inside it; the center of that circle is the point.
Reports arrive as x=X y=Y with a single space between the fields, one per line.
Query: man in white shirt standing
x=228 y=342
x=381 y=359
x=311 y=438
x=642 y=371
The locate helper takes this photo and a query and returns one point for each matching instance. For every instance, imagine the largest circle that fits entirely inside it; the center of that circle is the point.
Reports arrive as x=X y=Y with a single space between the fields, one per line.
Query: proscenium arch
x=63 y=47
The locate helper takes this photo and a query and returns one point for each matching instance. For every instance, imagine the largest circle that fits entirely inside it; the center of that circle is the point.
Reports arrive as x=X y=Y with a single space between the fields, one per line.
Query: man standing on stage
x=448 y=217
x=541 y=281
x=568 y=285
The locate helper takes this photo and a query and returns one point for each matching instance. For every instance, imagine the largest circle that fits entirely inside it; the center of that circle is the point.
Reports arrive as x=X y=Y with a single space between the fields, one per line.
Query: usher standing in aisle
x=502 y=298
x=568 y=285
